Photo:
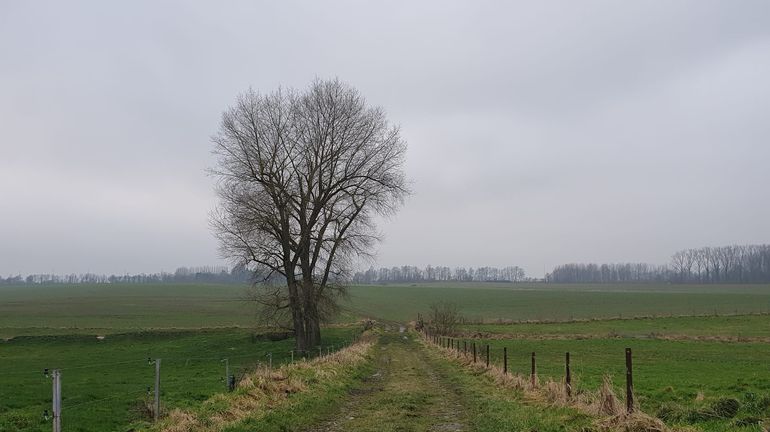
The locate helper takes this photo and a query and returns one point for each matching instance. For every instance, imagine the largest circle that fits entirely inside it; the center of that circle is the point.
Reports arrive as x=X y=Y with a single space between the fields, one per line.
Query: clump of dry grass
x=634 y=422
x=606 y=401
x=262 y=389
x=181 y=421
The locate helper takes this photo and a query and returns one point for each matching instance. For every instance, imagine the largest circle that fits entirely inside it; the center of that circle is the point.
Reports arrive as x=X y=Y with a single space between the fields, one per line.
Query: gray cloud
x=539 y=132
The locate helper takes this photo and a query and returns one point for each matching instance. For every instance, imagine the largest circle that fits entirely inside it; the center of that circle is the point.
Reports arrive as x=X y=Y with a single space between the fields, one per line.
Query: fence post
x=465 y=347
x=292 y=356
x=157 y=390
x=533 y=372
x=568 y=377
x=474 y=352
x=505 y=361
x=629 y=383
x=227 y=374
x=56 y=400
x=487 y=355
x=231 y=383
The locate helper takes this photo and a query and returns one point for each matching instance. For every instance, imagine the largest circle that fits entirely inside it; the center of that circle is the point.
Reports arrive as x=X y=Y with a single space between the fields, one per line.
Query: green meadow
x=63 y=309
x=105 y=382
x=682 y=363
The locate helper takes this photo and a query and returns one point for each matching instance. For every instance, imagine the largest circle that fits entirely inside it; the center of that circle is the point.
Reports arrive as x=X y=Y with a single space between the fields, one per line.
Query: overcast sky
x=539 y=132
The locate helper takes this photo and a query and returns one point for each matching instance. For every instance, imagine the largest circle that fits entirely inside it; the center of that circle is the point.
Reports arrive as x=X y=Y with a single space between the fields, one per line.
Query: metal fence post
x=56 y=400
x=568 y=376
x=227 y=374
x=157 y=389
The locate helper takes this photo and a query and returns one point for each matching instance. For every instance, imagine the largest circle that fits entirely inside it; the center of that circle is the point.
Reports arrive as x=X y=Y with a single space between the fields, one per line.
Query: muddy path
x=406 y=393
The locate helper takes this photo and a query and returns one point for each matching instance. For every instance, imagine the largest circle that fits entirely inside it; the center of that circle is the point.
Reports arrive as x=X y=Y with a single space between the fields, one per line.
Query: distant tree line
x=608 y=273
x=439 y=273
x=725 y=264
x=203 y=274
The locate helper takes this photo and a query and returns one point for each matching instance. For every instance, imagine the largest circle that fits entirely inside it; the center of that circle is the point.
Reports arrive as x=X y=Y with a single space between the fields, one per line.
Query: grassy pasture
x=90 y=309
x=687 y=375
x=488 y=302
x=67 y=309
x=105 y=381
x=736 y=327
x=193 y=326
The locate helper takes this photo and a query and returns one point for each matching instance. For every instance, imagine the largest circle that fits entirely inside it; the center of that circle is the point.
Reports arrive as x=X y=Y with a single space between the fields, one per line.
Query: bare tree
x=301 y=176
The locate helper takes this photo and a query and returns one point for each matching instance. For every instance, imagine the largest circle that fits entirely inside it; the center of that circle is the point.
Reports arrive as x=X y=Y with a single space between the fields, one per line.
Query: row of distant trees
x=439 y=273
x=203 y=274
x=725 y=264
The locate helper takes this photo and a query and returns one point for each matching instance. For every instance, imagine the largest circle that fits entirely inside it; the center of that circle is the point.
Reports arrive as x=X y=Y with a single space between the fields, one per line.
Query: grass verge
x=599 y=411
x=288 y=398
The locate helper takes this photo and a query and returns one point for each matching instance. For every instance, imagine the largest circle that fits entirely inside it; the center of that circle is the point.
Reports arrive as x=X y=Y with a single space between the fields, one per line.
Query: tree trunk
x=298 y=319
x=313 y=326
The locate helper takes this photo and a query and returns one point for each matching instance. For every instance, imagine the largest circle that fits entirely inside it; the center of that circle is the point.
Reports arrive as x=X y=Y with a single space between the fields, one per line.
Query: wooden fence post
x=474 y=352
x=533 y=372
x=568 y=377
x=505 y=361
x=629 y=383
x=487 y=355
x=465 y=347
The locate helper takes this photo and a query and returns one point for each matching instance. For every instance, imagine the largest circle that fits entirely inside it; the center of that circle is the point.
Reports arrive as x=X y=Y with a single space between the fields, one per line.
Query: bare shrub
x=444 y=318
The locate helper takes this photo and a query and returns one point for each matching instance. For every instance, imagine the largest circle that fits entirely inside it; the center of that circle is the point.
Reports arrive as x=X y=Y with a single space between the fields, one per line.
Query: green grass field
x=729 y=327
x=489 y=302
x=670 y=370
x=192 y=327
x=89 y=309
x=109 y=308
x=104 y=382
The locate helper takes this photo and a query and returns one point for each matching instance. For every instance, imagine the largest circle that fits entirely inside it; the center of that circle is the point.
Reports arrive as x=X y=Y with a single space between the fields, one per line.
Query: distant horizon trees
x=200 y=274
x=737 y=264
x=407 y=274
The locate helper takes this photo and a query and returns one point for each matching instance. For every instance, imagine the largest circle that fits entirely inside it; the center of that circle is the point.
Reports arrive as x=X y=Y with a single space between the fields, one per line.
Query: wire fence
x=100 y=396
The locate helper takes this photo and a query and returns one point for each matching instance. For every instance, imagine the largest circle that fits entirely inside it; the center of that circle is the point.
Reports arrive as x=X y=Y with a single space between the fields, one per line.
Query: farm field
x=729 y=327
x=90 y=309
x=681 y=364
x=192 y=327
x=105 y=382
x=67 y=309
x=489 y=302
